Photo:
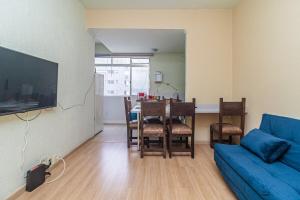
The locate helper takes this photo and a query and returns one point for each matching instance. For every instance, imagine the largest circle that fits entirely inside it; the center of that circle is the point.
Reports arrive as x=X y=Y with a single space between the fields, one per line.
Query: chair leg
x=142 y=147
x=165 y=147
x=170 y=145
x=130 y=136
x=128 y=141
x=167 y=141
x=148 y=142
x=193 y=146
x=211 y=138
x=186 y=142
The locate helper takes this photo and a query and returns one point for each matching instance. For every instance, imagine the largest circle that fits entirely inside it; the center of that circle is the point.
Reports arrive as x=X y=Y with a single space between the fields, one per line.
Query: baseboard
x=98 y=133
x=21 y=190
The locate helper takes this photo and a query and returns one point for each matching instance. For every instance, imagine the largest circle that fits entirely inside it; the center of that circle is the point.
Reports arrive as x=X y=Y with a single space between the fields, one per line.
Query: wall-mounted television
x=27 y=83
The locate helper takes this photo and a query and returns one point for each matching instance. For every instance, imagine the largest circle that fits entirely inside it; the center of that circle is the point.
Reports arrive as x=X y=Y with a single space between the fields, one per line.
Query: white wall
x=54 y=30
x=114 y=110
x=266 y=64
x=172 y=65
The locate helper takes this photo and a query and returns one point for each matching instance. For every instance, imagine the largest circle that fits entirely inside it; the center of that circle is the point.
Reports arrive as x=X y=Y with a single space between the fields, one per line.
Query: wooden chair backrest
x=185 y=109
x=233 y=109
x=182 y=108
x=153 y=108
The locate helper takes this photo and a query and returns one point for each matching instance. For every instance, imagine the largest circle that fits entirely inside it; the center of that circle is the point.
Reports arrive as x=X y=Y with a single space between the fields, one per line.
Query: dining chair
x=228 y=109
x=153 y=130
x=131 y=124
x=153 y=119
x=182 y=130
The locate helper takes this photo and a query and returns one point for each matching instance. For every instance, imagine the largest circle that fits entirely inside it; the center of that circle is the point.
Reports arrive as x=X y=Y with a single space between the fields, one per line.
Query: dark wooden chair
x=182 y=130
x=153 y=130
x=228 y=109
x=131 y=124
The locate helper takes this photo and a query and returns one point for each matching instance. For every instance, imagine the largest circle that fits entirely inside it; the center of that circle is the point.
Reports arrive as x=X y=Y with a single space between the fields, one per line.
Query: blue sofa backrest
x=282 y=127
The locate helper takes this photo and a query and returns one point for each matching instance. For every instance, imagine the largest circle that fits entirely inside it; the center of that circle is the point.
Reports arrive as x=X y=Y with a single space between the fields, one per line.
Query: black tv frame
x=38 y=108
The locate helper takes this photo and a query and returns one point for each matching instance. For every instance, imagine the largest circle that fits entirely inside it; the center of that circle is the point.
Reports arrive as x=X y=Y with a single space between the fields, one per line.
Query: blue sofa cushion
x=281 y=127
x=236 y=182
x=271 y=181
x=266 y=146
x=292 y=156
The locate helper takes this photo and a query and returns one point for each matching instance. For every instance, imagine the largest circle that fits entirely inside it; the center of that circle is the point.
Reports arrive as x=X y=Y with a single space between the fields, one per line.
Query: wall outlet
x=45 y=161
x=54 y=159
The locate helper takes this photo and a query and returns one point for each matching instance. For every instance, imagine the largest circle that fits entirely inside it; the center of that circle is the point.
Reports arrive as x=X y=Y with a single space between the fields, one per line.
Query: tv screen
x=26 y=83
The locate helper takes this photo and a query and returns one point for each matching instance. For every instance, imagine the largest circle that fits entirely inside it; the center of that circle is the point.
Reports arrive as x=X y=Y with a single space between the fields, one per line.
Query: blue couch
x=251 y=178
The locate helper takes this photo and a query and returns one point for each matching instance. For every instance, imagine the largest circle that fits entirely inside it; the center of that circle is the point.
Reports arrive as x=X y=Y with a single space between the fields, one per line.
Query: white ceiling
x=159 y=4
x=141 y=40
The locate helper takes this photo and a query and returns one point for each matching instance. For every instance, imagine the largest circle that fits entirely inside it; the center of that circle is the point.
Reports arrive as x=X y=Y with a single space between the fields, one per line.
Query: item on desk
x=150 y=97
x=141 y=95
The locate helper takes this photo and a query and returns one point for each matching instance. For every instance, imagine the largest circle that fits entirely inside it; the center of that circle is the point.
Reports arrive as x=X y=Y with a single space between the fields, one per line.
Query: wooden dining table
x=200 y=109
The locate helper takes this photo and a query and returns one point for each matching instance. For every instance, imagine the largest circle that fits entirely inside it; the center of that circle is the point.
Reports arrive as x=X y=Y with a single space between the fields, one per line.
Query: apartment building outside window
x=124 y=76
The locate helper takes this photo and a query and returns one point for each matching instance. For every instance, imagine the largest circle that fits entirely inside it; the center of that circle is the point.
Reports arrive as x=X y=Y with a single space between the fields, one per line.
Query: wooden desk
x=207 y=109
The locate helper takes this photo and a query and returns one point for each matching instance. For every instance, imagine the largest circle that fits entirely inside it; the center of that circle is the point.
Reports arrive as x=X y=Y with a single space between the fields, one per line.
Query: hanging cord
x=25 y=141
x=166 y=84
x=29 y=120
x=61 y=174
x=84 y=101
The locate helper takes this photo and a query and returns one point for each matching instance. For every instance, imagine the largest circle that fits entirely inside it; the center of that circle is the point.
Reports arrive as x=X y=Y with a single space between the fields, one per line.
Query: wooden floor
x=105 y=169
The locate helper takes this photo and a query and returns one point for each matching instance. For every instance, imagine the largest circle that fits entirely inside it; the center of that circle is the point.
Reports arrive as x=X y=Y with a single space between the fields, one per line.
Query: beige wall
x=172 y=65
x=54 y=30
x=208 y=48
x=266 y=64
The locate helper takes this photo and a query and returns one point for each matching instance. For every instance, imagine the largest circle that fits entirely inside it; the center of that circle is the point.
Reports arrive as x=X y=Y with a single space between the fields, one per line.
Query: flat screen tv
x=27 y=83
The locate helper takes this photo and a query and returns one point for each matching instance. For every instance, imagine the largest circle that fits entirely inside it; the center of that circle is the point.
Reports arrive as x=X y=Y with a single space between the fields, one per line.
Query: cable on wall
x=168 y=85
x=29 y=120
x=25 y=141
x=84 y=101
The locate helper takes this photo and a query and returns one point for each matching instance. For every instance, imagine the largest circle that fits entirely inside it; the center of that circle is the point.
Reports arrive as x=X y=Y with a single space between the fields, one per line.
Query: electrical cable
x=61 y=174
x=25 y=141
x=29 y=119
x=85 y=98
x=166 y=84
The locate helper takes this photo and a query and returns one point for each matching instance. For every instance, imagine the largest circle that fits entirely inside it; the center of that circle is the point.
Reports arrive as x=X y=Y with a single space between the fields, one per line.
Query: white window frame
x=131 y=65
